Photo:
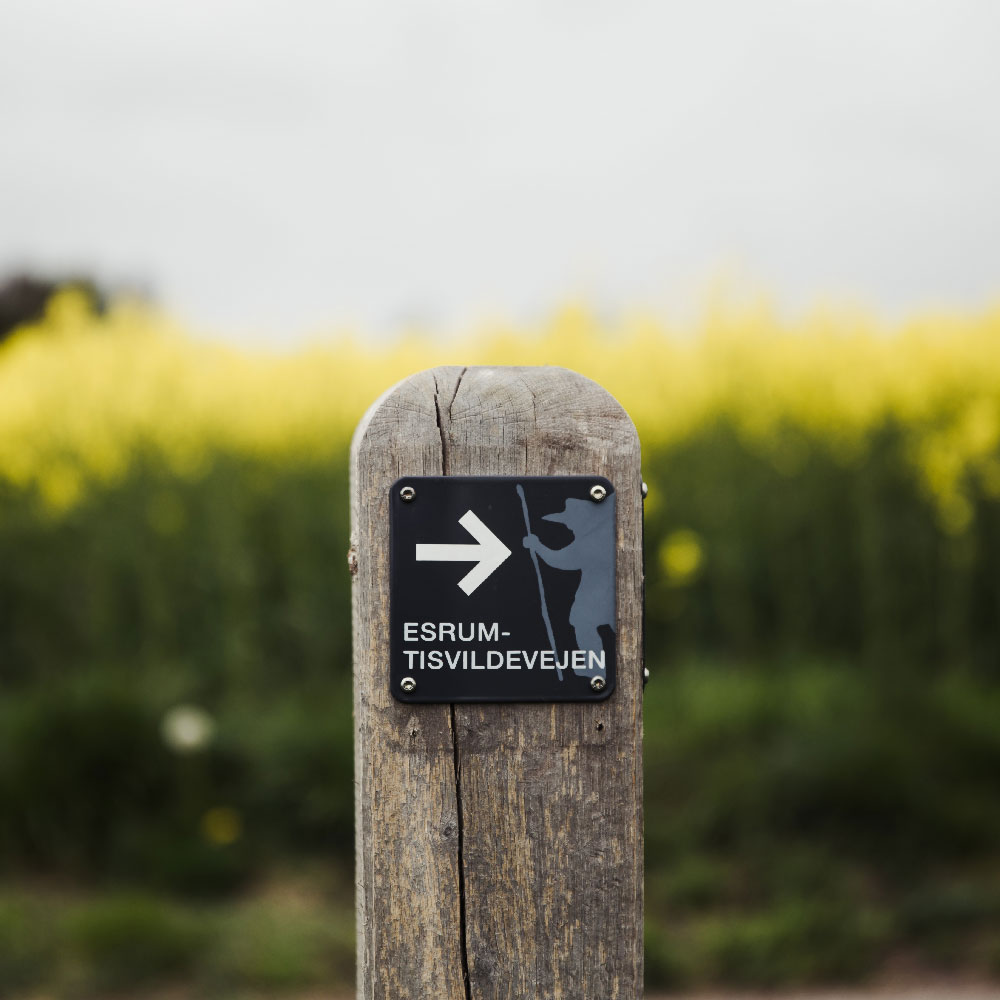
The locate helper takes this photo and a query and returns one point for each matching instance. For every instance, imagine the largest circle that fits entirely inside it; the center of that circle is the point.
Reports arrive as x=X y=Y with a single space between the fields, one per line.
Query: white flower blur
x=187 y=728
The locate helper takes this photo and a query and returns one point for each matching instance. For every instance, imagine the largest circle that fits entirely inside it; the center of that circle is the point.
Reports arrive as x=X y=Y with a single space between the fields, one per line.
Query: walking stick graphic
x=541 y=588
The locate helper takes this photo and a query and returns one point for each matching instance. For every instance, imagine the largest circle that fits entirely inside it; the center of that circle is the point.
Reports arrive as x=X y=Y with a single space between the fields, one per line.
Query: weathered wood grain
x=499 y=847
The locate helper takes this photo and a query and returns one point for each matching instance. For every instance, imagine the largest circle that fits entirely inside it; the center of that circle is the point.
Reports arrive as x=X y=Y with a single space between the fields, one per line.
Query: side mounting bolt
x=597 y=683
x=407 y=494
x=408 y=684
x=645 y=676
x=598 y=493
x=645 y=490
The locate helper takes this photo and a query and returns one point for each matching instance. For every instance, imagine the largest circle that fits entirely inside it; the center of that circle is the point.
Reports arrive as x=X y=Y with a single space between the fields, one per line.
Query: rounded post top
x=503 y=405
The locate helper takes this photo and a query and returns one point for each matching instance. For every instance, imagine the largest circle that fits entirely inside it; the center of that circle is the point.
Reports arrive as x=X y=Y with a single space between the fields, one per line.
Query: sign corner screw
x=598 y=493
x=408 y=684
x=597 y=683
x=407 y=494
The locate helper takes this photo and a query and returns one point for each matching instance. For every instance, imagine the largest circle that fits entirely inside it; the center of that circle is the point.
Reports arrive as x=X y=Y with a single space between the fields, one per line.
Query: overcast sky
x=270 y=167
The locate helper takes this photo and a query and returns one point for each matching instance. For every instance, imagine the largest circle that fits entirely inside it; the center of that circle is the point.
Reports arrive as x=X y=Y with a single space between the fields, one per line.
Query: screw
x=597 y=683
x=407 y=493
x=645 y=676
x=645 y=490
x=598 y=493
x=408 y=684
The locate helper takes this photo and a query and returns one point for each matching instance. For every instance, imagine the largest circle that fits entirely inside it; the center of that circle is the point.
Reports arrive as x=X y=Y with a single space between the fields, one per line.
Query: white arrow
x=489 y=553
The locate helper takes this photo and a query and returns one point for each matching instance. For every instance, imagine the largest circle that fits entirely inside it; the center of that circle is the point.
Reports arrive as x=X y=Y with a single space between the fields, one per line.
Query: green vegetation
x=109 y=941
x=805 y=823
x=823 y=724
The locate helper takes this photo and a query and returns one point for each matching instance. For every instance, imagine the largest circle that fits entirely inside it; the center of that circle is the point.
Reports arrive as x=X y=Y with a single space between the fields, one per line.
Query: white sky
x=270 y=167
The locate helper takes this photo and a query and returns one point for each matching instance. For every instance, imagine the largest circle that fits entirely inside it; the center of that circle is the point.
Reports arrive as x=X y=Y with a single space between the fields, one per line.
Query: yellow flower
x=222 y=825
x=681 y=556
x=81 y=395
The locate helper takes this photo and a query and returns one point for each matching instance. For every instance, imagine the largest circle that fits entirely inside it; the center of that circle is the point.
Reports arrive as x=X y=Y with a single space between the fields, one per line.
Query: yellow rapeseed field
x=79 y=393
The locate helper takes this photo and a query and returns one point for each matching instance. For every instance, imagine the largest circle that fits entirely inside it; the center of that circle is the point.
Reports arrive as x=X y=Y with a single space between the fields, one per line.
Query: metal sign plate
x=502 y=588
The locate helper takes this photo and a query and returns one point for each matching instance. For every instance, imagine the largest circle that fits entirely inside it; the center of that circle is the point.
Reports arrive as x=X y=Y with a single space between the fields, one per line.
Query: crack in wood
x=463 y=936
x=440 y=427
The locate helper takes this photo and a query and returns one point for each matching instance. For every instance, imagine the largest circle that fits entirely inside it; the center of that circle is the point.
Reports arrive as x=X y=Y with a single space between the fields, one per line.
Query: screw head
x=645 y=676
x=597 y=683
x=645 y=490
x=407 y=494
x=408 y=684
x=598 y=493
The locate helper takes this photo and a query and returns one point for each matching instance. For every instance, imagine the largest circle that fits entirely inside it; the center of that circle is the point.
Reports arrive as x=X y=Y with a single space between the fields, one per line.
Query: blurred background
x=770 y=229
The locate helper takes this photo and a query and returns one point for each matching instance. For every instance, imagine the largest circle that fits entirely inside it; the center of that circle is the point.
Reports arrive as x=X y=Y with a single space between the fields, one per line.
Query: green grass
x=805 y=822
x=105 y=942
x=28 y=946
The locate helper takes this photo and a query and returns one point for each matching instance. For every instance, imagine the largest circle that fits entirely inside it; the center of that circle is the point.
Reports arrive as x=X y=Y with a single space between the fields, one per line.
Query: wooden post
x=499 y=846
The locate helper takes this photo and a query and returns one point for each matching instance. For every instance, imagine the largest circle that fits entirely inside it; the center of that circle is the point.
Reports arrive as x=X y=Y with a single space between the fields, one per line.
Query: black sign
x=502 y=588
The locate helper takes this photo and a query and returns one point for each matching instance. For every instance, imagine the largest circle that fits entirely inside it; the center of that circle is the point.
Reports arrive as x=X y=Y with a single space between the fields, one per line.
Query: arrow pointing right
x=489 y=553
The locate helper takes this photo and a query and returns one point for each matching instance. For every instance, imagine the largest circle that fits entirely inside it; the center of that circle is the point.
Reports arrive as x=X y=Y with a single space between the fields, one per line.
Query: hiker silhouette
x=592 y=552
